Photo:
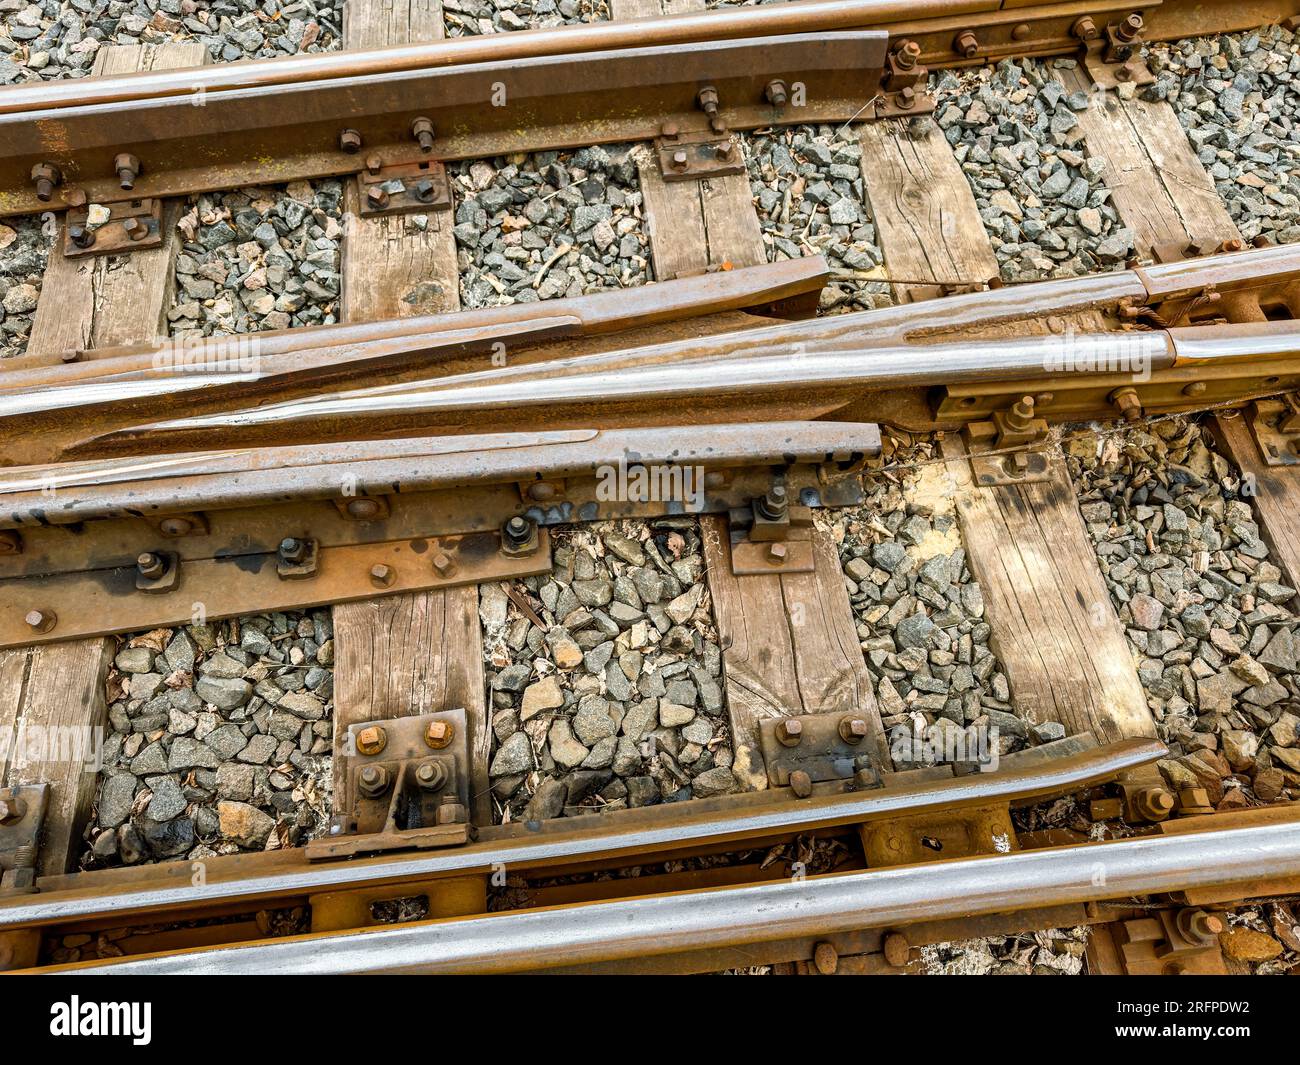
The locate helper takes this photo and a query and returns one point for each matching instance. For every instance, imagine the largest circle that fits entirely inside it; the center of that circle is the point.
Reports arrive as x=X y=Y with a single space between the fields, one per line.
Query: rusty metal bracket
x=771 y=535
x=1275 y=424
x=403 y=188
x=903 y=86
x=813 y=748
x=406 y=786
x=132 y=225
x=43 y=608
x=1114 y=57
x=1003 y=449
x=22 y=815
x=1182 y=942
x=698 y=154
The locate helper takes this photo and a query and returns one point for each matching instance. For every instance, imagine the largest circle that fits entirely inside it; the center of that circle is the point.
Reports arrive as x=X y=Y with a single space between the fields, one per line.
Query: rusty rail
x=645 y=835
x=691 y=920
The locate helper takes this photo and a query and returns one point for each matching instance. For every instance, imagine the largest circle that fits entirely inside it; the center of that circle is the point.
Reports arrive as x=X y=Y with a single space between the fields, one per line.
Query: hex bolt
x=1199 y=926
x=669 y=130
x=135 y=229
x=967 y=44
x=897 y=949
x=1021 y=414
x=789 y=731
x=41 y=620
x=439 y=734
x=377 y=196
x=75 y=197
x=81 y=237
x=374 y=164
x=424 y=190
x=726 y=150
x=350 y=141
x=1126 y=71
x=363 y=508
x=907 y=54
x=422 y=131
x=372 y=781
x=776 y=553
x=679 y=159
x=707 y=100
x=774 y=505
x=1153 y=803
x=371 y=740
x=906 y=97
x=852 y=729
x=382 y=576
x=47 y=177
x=128 y=169
x=1127 y=403
x=150 y=565
x=1128 y=30
x=1084 y=29
x=776 y=93
x=292 y=550
x=431 y=776
x=800 y=784
x=444 y=564
x=517 y=532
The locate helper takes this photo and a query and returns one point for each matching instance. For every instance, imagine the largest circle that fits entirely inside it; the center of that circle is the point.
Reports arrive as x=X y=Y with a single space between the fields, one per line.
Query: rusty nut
x=852 y=729
x=789 y=732
x=371 y=740
x=439 y=734
x=372 y=781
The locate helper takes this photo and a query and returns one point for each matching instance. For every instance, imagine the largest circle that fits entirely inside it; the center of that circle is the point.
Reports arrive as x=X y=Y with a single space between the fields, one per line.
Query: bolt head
x=175 y=526
x=444 y=564
x=135 y=229
x=801 y=784
x=853 y=730
x=350 y=141
x=776 y=552
x=41 y=620
x=371 y=740
x=363 y=508
x=679 y=160
x=789 y=732
x=439 y=734
x=381 y=576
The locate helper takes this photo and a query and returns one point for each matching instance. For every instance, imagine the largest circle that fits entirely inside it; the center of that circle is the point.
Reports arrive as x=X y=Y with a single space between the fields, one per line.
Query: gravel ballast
x=466 y=18
x=57 y=39
x=809 y=194
x=259 y=258
x=548 y=225
x=219 y=740
x=1209 y=619
x=1237 y=96
x=1015 y=131
x=615 y=700
x=24 y=251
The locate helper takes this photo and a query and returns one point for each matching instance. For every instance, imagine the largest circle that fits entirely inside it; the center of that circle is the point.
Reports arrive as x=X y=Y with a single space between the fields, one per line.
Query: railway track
x=787 y=486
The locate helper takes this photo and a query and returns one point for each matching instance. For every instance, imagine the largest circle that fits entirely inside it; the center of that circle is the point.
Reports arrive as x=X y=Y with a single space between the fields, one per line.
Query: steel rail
x=68 y=493
x=1166 y=18
x=801 y=370
x=801 y=16
x=690 y=920
x=554 y=845
x=246 y=136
